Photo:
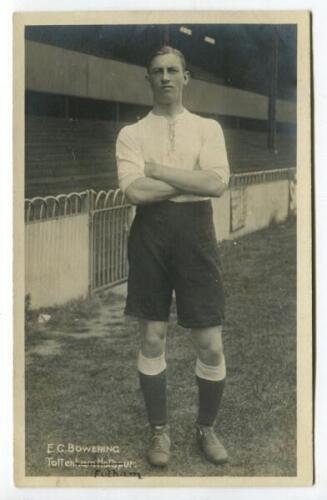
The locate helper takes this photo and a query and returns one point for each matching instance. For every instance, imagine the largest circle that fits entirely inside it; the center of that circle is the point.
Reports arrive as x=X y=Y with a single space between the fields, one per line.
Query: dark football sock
x=155 y=397
x=210 y=394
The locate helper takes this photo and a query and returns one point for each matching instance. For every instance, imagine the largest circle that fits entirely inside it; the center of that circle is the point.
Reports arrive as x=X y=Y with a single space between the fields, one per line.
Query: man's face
x=167 y=79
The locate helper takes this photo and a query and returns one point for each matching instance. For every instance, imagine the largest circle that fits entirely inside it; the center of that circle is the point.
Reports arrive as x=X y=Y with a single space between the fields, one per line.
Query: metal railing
x=110 y=219
x=63 y=205
x=110 y=216
x=247 y=178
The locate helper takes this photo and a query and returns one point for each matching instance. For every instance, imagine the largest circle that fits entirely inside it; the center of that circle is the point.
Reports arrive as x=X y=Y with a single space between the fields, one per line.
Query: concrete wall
x=57 y=250
x=264 y=203
x=208 y=97
x=221 y=216
x=261 y=204
x=61 y=71
x=57 y=260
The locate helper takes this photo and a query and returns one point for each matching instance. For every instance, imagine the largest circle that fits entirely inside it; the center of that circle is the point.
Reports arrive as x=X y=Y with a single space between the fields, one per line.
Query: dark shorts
x=173 y=246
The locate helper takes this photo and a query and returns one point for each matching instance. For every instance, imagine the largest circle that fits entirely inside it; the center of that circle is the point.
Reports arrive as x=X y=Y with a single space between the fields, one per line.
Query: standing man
x=169 y=164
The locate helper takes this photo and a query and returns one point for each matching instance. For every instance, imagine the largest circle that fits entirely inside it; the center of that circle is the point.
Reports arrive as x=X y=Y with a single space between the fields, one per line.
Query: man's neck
x=169 y=110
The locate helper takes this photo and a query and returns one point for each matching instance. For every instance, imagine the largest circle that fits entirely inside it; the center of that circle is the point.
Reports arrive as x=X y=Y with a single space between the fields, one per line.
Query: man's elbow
x=218 y=188
x=134 y=196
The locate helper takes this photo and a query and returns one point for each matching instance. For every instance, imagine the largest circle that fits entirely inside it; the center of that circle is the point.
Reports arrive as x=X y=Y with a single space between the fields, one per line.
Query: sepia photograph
x=163 y=260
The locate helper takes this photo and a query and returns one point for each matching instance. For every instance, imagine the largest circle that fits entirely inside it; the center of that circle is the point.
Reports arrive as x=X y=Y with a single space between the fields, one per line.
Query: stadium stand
x=64 y=155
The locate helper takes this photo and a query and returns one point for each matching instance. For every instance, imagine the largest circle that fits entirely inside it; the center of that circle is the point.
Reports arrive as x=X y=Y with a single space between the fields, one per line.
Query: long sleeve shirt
x=186 y=141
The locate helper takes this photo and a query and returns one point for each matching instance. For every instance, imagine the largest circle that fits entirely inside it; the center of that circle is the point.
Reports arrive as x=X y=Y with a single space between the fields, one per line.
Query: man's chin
x=166 y=100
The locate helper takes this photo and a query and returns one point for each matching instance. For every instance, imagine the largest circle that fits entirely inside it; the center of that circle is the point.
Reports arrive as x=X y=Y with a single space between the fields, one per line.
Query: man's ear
x=148 y=80
x=187 y=77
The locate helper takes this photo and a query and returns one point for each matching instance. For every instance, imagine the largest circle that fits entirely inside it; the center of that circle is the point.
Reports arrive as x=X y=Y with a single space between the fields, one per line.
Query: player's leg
x=152 y=369
x=149 y=298
x=210 y=372
x=200 y=307
x=152 y=374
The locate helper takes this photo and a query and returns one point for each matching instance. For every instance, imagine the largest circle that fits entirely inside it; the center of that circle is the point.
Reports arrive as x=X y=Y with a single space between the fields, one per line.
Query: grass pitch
x=82 y=387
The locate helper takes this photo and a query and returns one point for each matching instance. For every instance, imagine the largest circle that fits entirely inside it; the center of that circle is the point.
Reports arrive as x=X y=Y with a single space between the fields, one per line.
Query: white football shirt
x=186 y=141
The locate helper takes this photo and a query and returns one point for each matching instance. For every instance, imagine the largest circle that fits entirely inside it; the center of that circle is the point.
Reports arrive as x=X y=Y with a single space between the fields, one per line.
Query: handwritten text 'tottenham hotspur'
x=79 y=448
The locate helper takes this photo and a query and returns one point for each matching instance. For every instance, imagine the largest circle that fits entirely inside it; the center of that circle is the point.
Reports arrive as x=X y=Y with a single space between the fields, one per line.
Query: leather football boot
x=209 y=443
x=159 y=449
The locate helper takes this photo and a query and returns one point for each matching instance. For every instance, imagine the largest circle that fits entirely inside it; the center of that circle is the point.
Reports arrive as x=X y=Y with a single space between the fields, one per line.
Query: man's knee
x=153 y=338
x=212 y=356
x=209 y=345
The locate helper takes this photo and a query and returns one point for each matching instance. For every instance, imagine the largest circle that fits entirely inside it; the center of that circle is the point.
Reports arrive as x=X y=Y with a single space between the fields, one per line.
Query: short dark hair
x=162 y=51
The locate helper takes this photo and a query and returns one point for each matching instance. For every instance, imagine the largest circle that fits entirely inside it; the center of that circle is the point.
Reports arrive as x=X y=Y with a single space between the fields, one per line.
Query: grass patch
x=64 y=316
x=86 y=390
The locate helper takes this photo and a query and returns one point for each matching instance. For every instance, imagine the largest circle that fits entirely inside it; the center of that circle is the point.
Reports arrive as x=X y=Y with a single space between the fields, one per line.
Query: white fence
x=57 y=259
x=76 y=244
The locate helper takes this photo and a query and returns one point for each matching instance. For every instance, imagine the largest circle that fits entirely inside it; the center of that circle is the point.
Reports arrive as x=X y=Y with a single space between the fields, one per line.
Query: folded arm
x=198 y=182
x=138 y=188
x=146 y=190
x=149 y=182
